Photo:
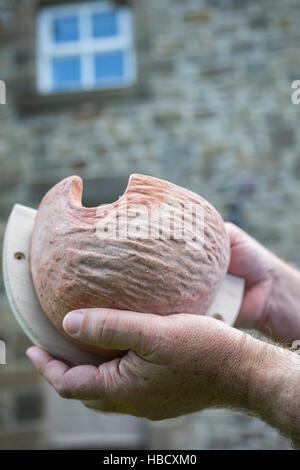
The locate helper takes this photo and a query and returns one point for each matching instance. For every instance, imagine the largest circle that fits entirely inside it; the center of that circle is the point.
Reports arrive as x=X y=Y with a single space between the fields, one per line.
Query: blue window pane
x=66 y=73
x=109 y=67
x=104 y=24
x=66 y=29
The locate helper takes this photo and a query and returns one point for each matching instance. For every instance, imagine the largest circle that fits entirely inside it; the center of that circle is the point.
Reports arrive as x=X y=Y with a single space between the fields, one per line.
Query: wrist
x=280 y=318
x=273 y=389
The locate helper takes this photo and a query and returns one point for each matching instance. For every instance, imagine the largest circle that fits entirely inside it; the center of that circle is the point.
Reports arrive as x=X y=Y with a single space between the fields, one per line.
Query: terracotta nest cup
x=159 y=249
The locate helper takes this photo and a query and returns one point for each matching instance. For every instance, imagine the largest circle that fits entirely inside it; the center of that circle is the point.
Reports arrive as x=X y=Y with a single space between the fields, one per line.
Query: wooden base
x=28 y=311
x=21 y=293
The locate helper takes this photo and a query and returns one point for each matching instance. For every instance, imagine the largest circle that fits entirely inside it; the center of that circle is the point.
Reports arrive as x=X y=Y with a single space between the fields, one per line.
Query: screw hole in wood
x=217 y=316
x=19 y=255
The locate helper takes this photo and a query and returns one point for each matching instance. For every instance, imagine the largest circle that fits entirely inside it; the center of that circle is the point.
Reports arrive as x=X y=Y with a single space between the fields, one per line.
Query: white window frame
x=86 y=47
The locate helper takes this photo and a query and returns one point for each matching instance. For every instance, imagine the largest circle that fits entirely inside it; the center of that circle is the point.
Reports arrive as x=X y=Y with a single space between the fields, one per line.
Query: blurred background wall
x=211 y=110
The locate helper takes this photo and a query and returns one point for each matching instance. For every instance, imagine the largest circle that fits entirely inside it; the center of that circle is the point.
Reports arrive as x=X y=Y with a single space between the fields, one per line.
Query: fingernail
x=31 y=353
x=72 y=322
x=28 y=352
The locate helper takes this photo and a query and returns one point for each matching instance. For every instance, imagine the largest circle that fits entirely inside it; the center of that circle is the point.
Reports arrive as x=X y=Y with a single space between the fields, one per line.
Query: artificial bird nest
x=158 y=249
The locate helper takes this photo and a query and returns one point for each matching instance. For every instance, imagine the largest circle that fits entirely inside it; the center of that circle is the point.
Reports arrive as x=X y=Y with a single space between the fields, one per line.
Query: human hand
x=253 y=262
x=272 y=293
x=176 y=364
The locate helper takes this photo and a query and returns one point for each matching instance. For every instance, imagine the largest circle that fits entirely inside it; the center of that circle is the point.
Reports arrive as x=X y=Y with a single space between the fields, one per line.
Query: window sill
x=32 y=101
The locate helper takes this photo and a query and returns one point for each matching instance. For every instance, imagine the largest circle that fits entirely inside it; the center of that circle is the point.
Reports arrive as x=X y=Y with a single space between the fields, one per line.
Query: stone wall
x=213 y=114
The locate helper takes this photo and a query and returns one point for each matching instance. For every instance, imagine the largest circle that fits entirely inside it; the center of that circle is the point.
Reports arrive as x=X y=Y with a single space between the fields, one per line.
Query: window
x=85 y=46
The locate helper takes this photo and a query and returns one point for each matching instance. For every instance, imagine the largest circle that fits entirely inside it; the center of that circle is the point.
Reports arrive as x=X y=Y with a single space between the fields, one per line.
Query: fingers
x=46 y=365
x=235 y=233
x=81 y=382
x=238 y=236
x=117 y=329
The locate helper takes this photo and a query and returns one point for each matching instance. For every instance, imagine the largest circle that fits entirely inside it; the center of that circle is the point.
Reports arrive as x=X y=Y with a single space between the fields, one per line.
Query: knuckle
x=159 y=336
x=173 y=334
x=164 y=330
x=44 y=368
x=110 y=380
x=162 y=327
x=61 y=389
x=106 y=327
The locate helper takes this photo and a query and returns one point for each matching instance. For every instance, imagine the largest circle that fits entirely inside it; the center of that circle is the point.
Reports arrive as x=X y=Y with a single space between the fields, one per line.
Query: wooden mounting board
x=28 y=311
x=228 y=300
x=21 y=294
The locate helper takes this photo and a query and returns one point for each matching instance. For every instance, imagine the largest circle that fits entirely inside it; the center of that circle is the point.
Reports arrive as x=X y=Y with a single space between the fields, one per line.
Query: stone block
x=282 y=138
x=28 y=406
x=198 y=16
x=167 y=118
x=240 y=47
x=259 y=22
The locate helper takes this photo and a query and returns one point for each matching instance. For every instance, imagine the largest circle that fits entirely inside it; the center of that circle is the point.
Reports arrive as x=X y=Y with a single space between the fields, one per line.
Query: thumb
x=116 y=329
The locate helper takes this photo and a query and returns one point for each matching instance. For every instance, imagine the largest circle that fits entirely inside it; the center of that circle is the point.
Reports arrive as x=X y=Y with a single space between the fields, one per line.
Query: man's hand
x=176 y=364
x=272 y=297
x=254 y=263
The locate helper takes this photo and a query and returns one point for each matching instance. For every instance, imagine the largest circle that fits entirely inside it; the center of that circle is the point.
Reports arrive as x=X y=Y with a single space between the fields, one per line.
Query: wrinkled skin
x=151 y=380
x=184 y=363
